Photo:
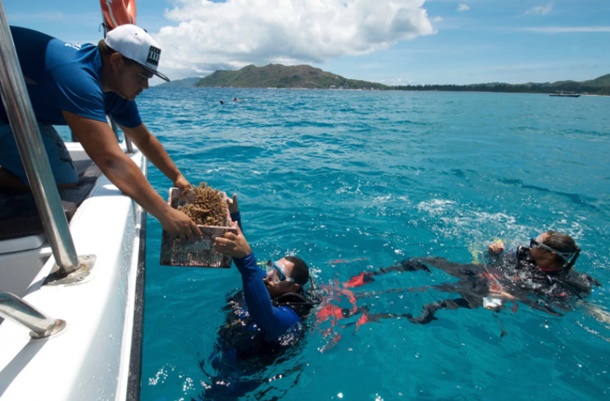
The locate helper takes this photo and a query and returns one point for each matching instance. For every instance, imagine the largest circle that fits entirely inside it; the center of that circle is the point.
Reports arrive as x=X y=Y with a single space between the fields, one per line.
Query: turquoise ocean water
x=356 y=180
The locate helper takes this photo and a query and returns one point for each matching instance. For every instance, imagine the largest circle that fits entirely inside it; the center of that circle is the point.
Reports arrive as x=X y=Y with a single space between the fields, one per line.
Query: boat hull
x=91 y=358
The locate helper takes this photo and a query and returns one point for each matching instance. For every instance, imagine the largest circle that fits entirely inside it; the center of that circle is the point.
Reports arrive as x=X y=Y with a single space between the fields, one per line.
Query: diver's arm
x=495 y=252
x=500 y=293
x=275 y=321
x=236 y=217
x=234 y=210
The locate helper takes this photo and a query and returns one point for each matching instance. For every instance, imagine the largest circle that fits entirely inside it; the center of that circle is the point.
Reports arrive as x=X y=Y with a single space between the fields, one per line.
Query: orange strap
x=335 y=312
x=118 y=12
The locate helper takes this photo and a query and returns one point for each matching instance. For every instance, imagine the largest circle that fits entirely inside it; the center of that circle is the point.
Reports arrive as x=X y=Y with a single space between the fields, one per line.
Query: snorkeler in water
x=264 y=320
x=275 y=298
x=540 y=276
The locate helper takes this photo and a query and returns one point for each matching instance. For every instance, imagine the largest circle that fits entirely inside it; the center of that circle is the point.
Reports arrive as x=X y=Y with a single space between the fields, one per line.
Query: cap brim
x=162 y=76
x=157 y=73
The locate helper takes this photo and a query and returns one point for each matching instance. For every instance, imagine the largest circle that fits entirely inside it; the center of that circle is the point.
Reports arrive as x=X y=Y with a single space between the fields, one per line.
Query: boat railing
x=16 y=309
x=31 y=149
x=127 y=141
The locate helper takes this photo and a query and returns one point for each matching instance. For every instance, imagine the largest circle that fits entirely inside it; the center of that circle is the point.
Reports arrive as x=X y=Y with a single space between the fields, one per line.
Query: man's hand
x=180 y=225
x=496 y=247
x=100 y=143
x=502 y=294
x=233 y=244
x=182 y=184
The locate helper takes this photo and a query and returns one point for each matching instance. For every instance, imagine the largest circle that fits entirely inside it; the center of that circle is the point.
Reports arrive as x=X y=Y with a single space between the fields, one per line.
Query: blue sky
x=387 y=41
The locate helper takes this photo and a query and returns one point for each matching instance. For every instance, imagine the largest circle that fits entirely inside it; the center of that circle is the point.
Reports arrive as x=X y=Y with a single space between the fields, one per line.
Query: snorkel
x=524 y=259
x=569 y=262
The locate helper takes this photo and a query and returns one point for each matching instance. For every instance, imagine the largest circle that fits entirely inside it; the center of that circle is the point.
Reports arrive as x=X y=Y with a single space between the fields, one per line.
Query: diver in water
x=540 y=276
x=263 y=321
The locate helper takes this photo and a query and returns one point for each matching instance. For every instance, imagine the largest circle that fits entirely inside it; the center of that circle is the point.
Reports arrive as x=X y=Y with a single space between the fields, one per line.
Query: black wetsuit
x=244 y=357
x=513 y=273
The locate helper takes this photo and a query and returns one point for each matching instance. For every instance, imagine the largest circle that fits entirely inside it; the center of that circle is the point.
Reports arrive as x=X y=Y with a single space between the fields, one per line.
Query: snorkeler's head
x=288 y=274
x=554 y=251
x=300 y=270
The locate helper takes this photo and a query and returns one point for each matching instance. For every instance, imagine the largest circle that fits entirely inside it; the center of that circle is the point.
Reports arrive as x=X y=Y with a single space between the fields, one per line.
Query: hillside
x=181 y=83
x=597 y=86
x=601 y=82
x=280 y=76
x=304 y=76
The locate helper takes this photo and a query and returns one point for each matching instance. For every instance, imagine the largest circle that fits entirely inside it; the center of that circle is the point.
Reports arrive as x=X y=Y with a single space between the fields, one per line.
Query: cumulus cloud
x=206 y=36
x=463 y=7
x=540 y=10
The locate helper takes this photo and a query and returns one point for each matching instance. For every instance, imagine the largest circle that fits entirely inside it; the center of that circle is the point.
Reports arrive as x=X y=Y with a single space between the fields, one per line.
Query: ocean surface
x=352 y=181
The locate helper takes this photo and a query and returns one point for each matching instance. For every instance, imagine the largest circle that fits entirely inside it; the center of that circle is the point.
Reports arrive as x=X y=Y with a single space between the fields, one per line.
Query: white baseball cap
x=136 y=44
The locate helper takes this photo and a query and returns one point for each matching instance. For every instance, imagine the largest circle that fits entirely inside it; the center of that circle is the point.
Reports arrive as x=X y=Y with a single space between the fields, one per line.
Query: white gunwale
x=92 y=357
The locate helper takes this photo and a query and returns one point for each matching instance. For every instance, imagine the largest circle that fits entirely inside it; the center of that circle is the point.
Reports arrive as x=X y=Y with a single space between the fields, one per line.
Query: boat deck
x=18 y=213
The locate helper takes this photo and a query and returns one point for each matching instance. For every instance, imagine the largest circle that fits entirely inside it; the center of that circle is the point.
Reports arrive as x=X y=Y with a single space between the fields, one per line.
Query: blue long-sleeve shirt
x=274 y=321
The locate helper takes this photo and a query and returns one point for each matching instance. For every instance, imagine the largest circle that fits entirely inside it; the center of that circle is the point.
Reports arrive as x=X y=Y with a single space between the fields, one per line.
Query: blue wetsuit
x=60 y=77
x=274 y=321
x=254 y=336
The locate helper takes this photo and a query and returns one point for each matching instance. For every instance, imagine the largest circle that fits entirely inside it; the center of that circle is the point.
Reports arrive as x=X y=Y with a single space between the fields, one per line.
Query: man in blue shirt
x=78 y=85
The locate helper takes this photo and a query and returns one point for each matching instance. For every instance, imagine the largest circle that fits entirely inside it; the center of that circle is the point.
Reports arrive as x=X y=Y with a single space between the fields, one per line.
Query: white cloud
x=540 y=10
x=208 y=36
x=463 y=7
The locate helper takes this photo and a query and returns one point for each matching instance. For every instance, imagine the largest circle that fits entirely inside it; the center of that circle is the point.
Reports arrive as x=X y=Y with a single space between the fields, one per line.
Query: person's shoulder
x=581 y=283
x=19 y=31
x=74 y=62
x=577 y=276
x=298 y=303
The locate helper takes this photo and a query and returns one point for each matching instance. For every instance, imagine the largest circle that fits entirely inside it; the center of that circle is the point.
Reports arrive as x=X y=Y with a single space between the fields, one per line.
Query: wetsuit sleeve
x=506 y=259
x=274 y=321
x=237 y=217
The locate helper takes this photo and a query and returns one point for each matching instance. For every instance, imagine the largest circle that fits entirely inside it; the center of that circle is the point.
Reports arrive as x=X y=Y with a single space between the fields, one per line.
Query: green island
x=307 y=77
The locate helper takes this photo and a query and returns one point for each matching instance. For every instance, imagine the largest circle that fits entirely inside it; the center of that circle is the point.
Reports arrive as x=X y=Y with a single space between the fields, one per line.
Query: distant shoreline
x=277 y=76
x=390 y=89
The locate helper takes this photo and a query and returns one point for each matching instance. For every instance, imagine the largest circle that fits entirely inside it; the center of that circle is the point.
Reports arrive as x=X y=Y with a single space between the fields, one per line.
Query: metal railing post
x=29 y=142
x=16 y=309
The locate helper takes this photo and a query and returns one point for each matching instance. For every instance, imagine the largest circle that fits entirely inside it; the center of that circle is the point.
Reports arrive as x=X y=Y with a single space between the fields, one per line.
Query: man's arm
x=101 y=145
x=154 y=151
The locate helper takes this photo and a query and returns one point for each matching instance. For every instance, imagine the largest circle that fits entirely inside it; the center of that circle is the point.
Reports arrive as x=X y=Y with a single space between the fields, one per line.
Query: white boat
x=71 y=293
